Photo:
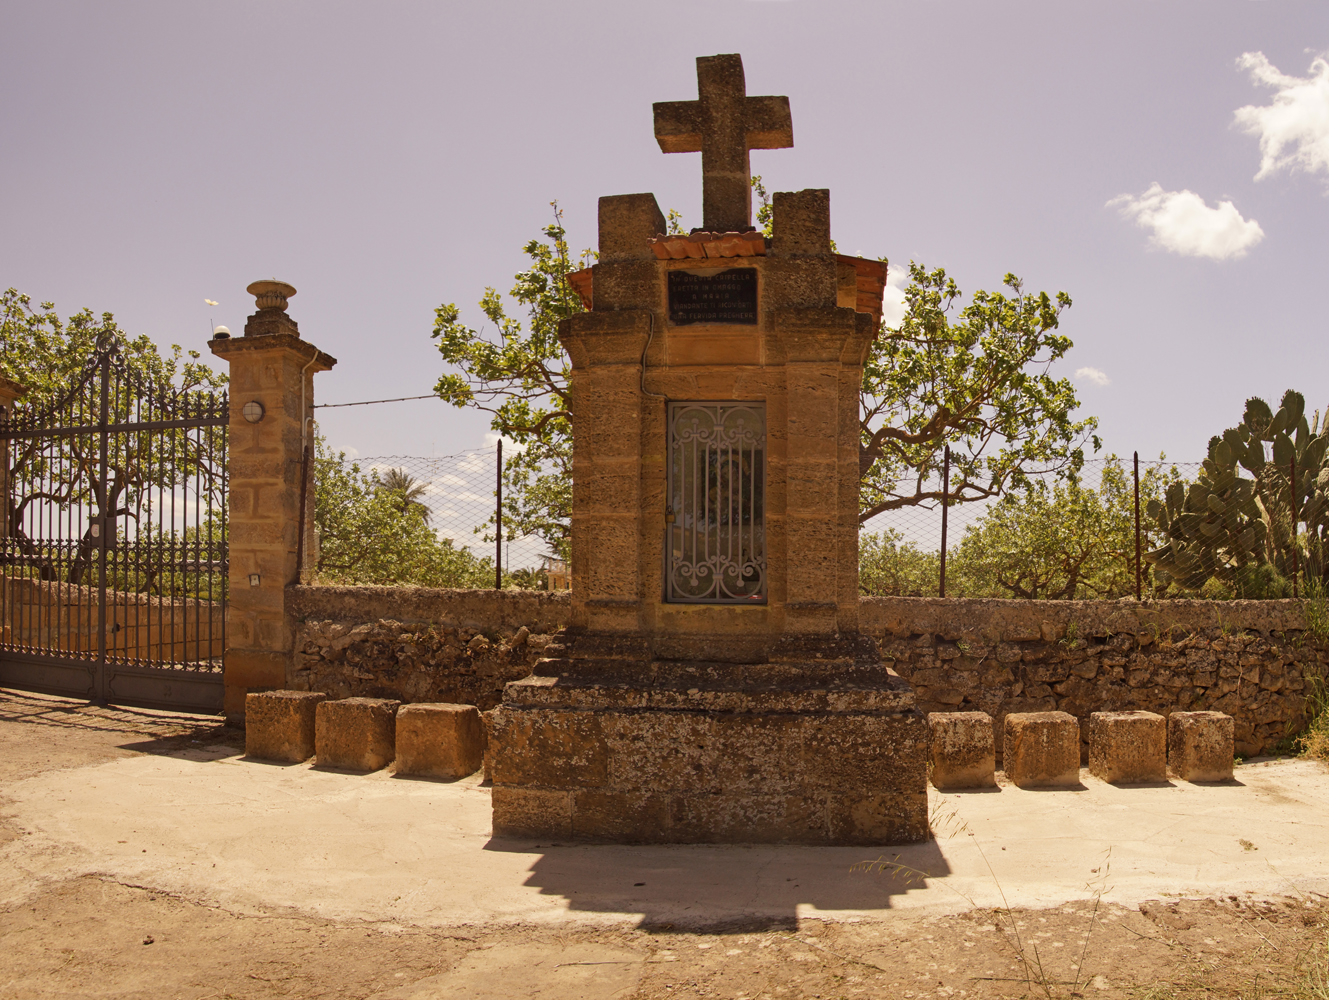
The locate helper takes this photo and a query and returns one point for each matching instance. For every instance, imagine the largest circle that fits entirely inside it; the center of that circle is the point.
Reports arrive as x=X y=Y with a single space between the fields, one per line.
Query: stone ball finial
x=271 y=294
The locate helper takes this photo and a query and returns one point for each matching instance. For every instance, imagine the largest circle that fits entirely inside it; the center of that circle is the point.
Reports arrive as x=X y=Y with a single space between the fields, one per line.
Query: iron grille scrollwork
x=716 y=518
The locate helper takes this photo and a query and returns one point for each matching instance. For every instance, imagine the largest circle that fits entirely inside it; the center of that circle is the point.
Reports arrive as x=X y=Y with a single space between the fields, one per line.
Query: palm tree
x=409 y=491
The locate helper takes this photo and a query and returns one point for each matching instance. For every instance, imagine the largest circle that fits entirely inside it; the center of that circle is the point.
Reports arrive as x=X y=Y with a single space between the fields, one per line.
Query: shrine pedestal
x=811 y=747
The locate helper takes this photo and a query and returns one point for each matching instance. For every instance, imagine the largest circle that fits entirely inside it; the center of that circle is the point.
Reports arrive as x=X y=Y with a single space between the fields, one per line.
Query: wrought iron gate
x=113 y=541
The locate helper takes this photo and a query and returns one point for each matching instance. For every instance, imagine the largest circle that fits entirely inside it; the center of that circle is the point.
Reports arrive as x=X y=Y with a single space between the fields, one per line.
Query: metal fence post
x=945 y=506
x=498 y=521
x=1137 y=526
x=104 y=521
x=1292 y=489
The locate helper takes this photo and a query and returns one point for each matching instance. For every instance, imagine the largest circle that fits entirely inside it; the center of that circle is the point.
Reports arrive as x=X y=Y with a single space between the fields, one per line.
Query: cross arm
x=768 y=123
x=678 y=126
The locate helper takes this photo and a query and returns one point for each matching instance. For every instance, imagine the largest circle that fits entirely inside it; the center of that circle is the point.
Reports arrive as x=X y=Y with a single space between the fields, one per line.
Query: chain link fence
x=457 y=494
x=1059 y=539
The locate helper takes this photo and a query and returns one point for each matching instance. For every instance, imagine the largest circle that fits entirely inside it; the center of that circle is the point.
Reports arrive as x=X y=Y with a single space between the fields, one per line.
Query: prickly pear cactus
x=1222 y=521
x=1212 y=526
x=1295 y=511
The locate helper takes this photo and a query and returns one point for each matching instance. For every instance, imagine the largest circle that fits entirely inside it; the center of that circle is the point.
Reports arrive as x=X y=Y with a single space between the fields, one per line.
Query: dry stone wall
x=1249 y=659
x=417 y=644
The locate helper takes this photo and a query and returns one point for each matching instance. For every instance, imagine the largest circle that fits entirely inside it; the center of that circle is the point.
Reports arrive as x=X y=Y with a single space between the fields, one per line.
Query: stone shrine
x=713 y=685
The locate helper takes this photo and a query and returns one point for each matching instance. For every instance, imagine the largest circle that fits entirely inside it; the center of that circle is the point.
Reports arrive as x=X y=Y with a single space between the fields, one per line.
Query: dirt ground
x=92 y=936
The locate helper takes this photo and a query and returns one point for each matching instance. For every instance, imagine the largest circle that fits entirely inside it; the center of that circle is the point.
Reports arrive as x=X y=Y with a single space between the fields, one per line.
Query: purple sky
x=388 y=157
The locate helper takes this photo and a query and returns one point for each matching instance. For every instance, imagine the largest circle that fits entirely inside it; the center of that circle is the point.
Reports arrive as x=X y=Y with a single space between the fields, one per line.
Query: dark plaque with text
x=728 y=296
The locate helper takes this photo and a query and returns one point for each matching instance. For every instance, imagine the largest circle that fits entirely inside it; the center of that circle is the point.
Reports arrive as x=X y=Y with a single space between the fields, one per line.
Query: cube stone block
x=963 y=750
x=1200 y=745
x=1041 y=749
x=439 y=740
x=279 y=725
x=357 y=734
x=1128 y=747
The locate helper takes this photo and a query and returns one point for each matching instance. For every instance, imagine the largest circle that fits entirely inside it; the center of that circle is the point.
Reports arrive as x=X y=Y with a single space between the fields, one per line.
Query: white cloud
x=1294 y=127
x=893 y=308
x=1181 y=222
x=1093 y=375
x=474 y=462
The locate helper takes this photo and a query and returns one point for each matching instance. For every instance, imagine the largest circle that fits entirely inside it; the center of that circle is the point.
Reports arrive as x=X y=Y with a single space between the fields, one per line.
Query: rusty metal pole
x=1137 y=526
x=945 y=506
x=1292 y=490
x=498 y=521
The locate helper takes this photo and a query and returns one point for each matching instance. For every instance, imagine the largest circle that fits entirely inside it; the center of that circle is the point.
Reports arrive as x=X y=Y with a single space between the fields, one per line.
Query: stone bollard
x=358 y=734
x=279 y=725
x=1128 y=747
x=1200 y=745
x=439 y=740
x=963 y=755
x=1041 y=749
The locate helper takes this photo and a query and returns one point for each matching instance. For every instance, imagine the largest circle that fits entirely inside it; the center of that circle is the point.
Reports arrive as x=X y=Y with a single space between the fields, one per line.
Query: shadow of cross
x=724 y=124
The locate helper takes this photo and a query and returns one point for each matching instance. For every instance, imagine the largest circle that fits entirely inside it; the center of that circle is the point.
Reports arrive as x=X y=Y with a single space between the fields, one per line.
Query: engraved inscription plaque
x=728 y=296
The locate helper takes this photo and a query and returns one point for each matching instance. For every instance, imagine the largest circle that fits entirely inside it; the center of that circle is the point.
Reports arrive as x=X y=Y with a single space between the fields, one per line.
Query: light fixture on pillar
x=253 y=411
x=255 y=579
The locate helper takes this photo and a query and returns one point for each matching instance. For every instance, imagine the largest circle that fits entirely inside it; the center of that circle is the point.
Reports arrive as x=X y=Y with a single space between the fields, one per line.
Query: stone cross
x=723 y=124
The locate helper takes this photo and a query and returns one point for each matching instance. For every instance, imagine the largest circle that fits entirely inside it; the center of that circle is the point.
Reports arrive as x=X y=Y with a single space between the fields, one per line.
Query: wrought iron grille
x=113 y=547
x=716 y=518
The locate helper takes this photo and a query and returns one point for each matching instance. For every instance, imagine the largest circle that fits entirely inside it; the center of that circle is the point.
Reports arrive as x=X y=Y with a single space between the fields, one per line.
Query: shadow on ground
x=726 y=889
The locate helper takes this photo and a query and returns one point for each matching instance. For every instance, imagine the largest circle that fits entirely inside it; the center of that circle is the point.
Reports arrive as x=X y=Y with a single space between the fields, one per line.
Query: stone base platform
x=828 y=751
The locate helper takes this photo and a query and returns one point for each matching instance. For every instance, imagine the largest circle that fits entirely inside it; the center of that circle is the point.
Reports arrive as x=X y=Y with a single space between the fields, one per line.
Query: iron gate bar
x=99 y=526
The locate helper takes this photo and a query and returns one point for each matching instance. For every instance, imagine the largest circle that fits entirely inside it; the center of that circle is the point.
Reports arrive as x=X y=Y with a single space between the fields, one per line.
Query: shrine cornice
x=870 y=275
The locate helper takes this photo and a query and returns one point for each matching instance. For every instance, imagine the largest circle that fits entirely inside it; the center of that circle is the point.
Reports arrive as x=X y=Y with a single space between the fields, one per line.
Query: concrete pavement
x=250 y=836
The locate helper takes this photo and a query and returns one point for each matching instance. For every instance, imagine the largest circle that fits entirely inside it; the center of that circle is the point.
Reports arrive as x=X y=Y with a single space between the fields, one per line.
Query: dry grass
x=1314 y=742
x=1287 y=958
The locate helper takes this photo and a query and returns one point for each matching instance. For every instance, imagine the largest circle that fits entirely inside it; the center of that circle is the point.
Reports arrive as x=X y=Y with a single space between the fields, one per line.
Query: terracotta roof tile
x=871 y=282
x=697 y=245
x=581 y=284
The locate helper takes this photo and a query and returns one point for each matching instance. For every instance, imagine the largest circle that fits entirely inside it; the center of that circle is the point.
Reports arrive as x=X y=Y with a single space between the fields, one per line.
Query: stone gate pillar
x=271 y=489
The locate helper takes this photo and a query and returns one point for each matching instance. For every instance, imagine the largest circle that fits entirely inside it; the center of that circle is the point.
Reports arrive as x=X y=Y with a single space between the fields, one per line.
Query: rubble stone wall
x=1250 y=659
x=417 y=644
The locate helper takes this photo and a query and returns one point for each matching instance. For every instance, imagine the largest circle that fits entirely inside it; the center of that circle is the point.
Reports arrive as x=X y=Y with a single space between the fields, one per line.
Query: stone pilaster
x=607 y=411
x=815 y=334
x=267 y=475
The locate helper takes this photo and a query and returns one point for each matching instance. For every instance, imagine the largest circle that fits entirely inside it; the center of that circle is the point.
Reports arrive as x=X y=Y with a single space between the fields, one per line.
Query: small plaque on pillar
x=705 y=296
